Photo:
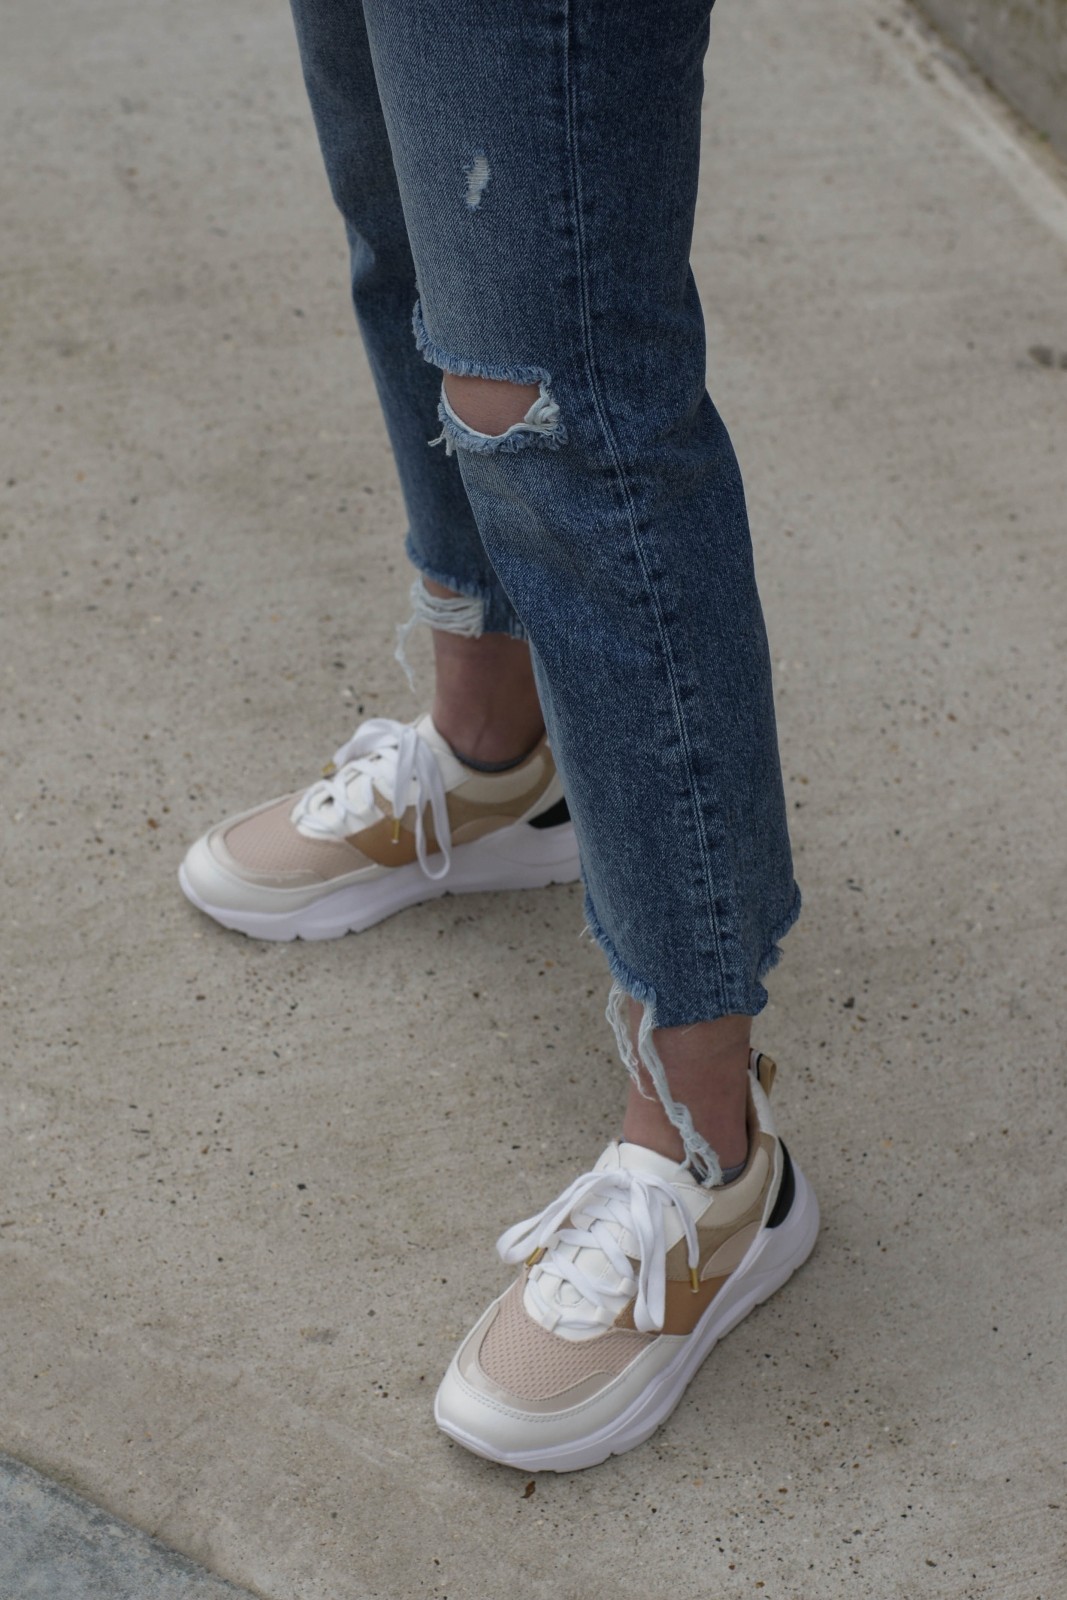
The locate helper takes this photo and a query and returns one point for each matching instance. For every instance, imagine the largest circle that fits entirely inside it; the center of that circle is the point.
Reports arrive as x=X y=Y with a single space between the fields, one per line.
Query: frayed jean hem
x=498 y=615
x=748 y=1006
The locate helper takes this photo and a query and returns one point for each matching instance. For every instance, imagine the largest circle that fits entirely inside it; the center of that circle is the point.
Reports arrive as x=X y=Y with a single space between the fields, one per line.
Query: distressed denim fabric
x=443 y=540
x=528 y=173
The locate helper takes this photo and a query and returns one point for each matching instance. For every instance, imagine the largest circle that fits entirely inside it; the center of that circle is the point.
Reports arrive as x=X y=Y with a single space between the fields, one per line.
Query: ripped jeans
x=525 y=175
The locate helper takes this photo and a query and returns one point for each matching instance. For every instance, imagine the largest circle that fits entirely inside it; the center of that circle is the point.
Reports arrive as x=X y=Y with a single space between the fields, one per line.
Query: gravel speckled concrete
x=251 y=1192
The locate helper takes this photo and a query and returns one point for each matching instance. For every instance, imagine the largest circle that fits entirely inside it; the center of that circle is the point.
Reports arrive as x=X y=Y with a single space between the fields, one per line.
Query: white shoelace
x=612 y=1204
x=384 y=758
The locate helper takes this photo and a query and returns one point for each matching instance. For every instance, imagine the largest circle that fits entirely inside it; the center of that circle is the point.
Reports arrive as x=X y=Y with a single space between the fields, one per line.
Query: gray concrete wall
x=1021 y=46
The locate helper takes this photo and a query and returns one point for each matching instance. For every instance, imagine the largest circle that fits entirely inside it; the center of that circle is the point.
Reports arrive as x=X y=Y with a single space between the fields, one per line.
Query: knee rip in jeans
x=460 y=614
x=542 y=425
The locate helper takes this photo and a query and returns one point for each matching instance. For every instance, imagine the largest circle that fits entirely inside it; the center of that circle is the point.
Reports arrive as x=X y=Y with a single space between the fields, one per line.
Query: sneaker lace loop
x=603 y=1208
x=390 y=758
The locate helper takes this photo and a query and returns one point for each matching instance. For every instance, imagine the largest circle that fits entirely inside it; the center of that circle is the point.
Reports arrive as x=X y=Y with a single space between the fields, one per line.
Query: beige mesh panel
x=268 y=843
x=532 y=1364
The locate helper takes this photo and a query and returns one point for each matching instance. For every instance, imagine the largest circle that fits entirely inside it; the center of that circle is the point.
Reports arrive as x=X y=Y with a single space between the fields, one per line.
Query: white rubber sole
x=516 y=857
x=774 y=1256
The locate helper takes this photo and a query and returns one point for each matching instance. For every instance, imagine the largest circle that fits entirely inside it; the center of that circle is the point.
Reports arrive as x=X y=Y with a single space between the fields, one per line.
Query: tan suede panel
x=712 y=1239
x=684 y=1309
x=464 y=813
x=269 y=845
x=526 y=1361
x=462 y=809
x=731 y=1252
x=470 y=831
x=766 y=1072
x=378 y=844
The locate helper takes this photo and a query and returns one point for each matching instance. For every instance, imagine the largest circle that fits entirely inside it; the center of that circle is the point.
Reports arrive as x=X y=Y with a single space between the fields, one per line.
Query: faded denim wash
x=527 y=173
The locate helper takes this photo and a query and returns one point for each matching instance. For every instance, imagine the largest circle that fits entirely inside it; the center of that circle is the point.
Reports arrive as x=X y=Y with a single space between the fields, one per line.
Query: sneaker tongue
x=426 y=729
x=635 y=1158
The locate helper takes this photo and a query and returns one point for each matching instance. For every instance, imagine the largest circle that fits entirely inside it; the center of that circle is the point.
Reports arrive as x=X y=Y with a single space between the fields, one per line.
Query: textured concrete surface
x=1021 y=46
x=250 y=1192
x=55 y=1546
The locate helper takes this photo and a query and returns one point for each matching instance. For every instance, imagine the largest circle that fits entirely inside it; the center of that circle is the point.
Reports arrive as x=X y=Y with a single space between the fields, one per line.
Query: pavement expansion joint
x=55 y=1546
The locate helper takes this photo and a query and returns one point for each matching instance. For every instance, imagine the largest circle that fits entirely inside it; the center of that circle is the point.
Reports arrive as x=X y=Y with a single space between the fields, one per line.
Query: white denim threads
x=460 y=614
x=698 y=1151
x=541 y=425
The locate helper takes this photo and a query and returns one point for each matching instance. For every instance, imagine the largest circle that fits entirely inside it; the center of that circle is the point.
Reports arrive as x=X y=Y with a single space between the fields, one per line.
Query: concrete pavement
x=239 y=1236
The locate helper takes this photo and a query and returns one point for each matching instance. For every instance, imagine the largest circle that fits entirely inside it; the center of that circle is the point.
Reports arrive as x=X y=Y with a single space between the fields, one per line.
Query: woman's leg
x=443 y=540
x=353 y=849
x=547 y=163
x=485 y=701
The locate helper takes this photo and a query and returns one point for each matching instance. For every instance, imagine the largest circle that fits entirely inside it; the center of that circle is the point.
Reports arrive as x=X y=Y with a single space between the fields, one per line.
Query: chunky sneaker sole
x=530 y=1388
x=350 y=851
x=519 y=857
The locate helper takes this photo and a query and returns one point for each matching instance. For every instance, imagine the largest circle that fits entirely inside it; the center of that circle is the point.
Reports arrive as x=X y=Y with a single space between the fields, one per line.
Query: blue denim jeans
x=525 y=175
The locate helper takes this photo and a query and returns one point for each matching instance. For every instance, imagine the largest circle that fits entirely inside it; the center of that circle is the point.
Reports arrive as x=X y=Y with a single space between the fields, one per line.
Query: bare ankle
x=485 y=699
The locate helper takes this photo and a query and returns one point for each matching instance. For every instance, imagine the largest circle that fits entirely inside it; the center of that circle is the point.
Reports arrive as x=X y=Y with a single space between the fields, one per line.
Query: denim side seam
x=603 y=418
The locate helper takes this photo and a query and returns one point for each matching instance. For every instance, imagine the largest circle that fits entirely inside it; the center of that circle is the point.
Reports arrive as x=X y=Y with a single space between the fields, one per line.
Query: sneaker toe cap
x=259 y=862
x=552 y=1394
x=211 y=883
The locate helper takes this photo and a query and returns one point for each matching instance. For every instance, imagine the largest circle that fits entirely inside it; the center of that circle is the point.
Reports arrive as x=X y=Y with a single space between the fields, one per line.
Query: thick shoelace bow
x=390 y=758
x=614 y=1204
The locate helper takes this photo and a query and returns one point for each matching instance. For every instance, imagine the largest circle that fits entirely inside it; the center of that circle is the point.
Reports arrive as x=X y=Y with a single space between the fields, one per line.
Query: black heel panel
x=787 y=1189
x=552 y=818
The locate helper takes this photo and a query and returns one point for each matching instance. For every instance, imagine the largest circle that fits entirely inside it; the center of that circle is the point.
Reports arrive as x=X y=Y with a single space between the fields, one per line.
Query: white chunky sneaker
x=399 y=819
x=631 y=1278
